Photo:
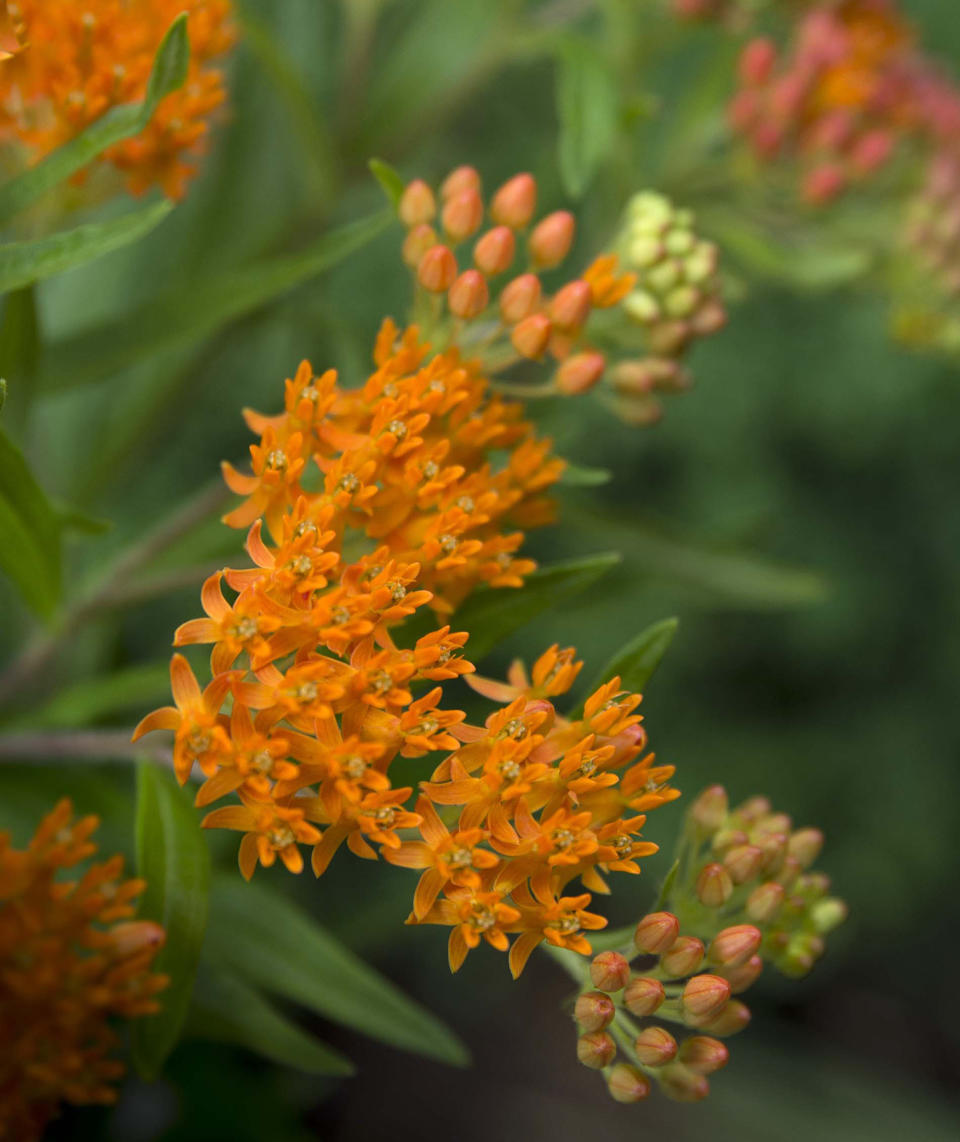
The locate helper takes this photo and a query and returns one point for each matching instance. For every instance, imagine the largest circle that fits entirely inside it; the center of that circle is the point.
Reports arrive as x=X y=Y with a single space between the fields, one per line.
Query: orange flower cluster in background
x=77 y=61
x=71 y=958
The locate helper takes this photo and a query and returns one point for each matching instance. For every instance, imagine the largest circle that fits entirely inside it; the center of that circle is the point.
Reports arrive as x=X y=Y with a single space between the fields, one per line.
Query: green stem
x=86 y=745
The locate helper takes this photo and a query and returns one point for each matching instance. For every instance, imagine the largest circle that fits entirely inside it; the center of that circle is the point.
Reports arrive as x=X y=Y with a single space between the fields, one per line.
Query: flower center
x=465 y=503
x=397 y=590
x=339 y=615
x=510 y=769
x=244 y=629
x=482 y=918
x=563 y=838
x=381 y=682
x=262 y=762
x=397 y=428
x=355 y=767
x=460 y=858
x=304 y=526
x=198 y=742
x=385 y=817
x=448 y=543
x=348 y=482
x=306 y=692
x=280 y=836
x=568 y=924
x=277 y=460
x=301 y=566
x=431 y=470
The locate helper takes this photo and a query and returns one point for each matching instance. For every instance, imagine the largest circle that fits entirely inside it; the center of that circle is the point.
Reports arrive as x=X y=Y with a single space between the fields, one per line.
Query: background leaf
x=29 y=531
x=391 y=181
x=587 y=109
x=637 y=661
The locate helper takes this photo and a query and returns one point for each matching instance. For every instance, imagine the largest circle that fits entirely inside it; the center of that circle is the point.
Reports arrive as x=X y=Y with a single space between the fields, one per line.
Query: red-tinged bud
x=805 y=845
x=709 y=810
x=655 y=1047
x=420 y=239
x=530 y=336
x=703 y=1055
x=774 y=849
x=733 y=1017
x=743 y=862
x=681 y=1084
x=579 y=373
x=872 y=151
x=639 y=412
x=552 y=238
x=775 y=824
x=728 y=838
x=610 y=971
x=438 y=269
x=494 y=252
x=742 y=977
x=656 y=932
x=705 y=995
x=417 y=204
x=823 y=184
x=627 y=1084
x=753 y=809
x=514 y=203
x=134 y=937
x=734 y=946
x=684 y=956
x=594 y=1011
x=789 y=870
x=520 y=298
x=756 y=62
x=669 y=337
x=643 y=995
x=743 y=109
x=459 y=180
x=714 y=886
x=764 y=902
x=570 y=306
x=469 y=296
x=596 y=1050
x=462 y=215
x=560 y=345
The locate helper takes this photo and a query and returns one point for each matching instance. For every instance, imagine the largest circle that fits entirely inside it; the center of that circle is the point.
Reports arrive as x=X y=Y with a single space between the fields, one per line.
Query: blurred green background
x=797 y=511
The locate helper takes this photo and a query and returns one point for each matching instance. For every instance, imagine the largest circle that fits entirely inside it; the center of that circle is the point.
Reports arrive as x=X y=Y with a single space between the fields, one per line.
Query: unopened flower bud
x=655 y=1046
x=552 y=238
x=703 y=1055
x=774 y=849
x=764 y=902
x=872 y=151
x=627 y=1084
x=684 y=956
x=609 y=971
x=669 y=337
x=728 y=838
x=656 y=932
x=639 y=412
x=530 y=336
x=756 y=62
x=753 y=809
x=682 y=301
x=823 y=184
x=642 y=306
x=714 y=886
x=468 y=296
x=743 y=862
x=665 y=276
x=494 y=252
x=732 y=1017
x=570 y=307
x=828 y=914
x=735 y=945
x=514 y=203
x=459 y=180
x=704 y=996
x=462 y=214
x=709 y=810
x=520 y=298
x=744 y=976
x=437 y=269
x=643 y=995
x=805 y=845
x=594 y=1011
x=682 y=1084
x=417 y=204
x=135 y=936
x=596 y=1050
x=646 y=250
x=579 y=373
x=417 y=242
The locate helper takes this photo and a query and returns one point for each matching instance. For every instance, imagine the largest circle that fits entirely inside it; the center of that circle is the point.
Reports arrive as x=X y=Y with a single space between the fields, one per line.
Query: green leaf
x=30 y=531
x=183 y=317
x=575 y=476
x=587 y=110
x=253 y=929
x=73 y=519
x=637 y=661
x=390 y=181
x=227 y=1010
x=3 y=392
x=169 y=72
x=22 y=263
x=20 y=349
x=665 y=889
x=173 y=858
x=90 y=701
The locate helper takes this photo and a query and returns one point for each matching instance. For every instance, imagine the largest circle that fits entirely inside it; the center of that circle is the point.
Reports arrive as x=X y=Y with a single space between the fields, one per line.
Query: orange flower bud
x=684 y=956
x=579 y=373
x=823 y=184
x=531 y=335
x=709 y=810
x=703 y=1055
x=609 y=971
x=417 y=242
x=705 y=995
x=743 y=862
x=655 y=1046
x=627 y=1084
x=570 y=306
x=494 y=252
x=459 y=180
x=682 y=1084
x=732 y=1017
x=756 y=62
x=594 y=1010
x=734 y=946
x=520 y=298
x=437 y=269
x=462 y=215
x=714 y=886
x=417 y=204
x=514 y=203
x=742 y=977
x=468 y=296
x=656 y=932
x=596 y=1050
x=643 y=995
x=805 y=845
x=552 y=238
x=135 y=936
x=709 y=318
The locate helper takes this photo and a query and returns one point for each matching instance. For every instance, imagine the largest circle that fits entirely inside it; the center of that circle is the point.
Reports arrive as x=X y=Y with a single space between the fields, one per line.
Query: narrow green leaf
x=30 y=531
x=169 y=73
x=575 y=476
x=637 y=661
x=183 y=317
x=227 y=1010
x=73 y=519
x=252 y=930
x=88 y=702
x=22 y=263
x=20 y=349
x=668 y=881
x=173 y=858
x=587 y=110
x=3 y=392
x=390 y=181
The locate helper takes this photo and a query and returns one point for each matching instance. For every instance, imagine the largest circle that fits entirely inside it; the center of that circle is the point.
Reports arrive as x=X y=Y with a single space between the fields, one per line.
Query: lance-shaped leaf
x=576 y=476
x=636 y=662
x=268 y=941
x=172 y=857
x=391 y=182
x=30 y=531
x=169 y=72
x=587 y=108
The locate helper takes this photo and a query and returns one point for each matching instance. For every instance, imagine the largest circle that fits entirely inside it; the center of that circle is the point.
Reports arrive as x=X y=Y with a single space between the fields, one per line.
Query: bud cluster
x=933 y=227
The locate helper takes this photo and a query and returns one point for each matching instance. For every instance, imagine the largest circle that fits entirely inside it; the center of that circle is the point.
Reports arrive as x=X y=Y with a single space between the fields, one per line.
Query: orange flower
x=269 y=831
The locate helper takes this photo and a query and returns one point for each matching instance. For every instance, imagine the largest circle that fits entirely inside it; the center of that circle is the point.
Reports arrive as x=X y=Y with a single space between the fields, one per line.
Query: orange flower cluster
x=70 y=960
x=80 y=60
